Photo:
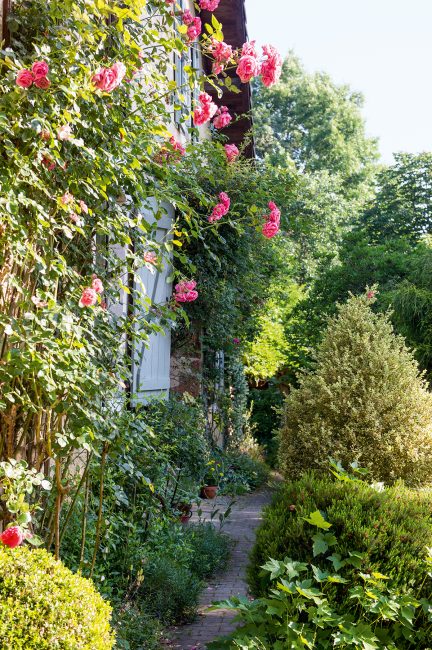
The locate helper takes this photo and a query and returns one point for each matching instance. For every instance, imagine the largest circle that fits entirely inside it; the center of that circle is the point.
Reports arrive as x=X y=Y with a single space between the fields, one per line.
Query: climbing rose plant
x=85 y=99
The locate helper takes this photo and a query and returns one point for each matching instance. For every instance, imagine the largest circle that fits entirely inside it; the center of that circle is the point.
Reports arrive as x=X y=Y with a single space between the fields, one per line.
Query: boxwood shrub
x=43 y=605
x=392 y=527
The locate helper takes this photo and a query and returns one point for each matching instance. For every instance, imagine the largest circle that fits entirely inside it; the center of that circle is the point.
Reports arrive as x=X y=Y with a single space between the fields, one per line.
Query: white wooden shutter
x=151 y=361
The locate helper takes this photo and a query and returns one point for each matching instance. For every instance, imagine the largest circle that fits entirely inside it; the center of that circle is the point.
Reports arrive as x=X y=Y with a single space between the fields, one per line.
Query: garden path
x=240 y=526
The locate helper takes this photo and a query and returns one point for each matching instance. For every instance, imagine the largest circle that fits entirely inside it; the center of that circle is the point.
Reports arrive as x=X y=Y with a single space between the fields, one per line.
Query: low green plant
x=242 y=474
x=210 y=549
x=136 y=629
x=169 y=591
x=43 y=605
x=389 y=526
x=300 y=609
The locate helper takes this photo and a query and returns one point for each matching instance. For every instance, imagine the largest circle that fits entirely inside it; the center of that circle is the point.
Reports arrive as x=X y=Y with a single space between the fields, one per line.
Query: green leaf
x=316 y=519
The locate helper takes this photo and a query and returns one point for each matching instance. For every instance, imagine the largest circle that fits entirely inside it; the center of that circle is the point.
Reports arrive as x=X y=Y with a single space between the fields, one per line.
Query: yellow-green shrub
x=364 y=401
x=43 y=605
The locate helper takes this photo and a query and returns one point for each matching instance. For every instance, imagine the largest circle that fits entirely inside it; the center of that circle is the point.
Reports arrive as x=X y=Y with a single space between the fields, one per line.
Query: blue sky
x=382 y=48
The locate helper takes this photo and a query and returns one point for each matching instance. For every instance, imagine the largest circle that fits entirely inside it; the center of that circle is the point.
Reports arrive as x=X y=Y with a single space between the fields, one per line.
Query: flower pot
x=185 y=511
x=209 y=491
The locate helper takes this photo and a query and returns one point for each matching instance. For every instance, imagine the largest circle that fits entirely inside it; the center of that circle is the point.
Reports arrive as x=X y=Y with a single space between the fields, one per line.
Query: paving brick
x=244 y=519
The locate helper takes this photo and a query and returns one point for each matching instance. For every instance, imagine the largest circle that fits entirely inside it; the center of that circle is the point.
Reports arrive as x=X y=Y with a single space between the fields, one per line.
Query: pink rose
x=225 y=199
x=231 y=152
x=24 y=79
x=203 y=114
x=185 y=291
x=191 y=295
x=107 y=79
x=76 y=219
x=83 y=206
x=97 y=285
x=187 y=17
x=236 y=341
x=248 y=67
x=209 y=5
x=88 y=297
x=64 y=132
x=66 y=198
x=275 y=214
x=12 y=536
x=249 y=49
x=222 y=119
x=370 y=295
x=270 y=229
x=150 y=257
x=271 y=67
x=42 y=82
x=222 y=52
x=40 y=69
x=194 y=30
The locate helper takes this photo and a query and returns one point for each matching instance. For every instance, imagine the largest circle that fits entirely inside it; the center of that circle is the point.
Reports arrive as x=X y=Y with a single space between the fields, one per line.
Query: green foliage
x=389 y=527
x=44 y=605
x=311 y=121
x=242 y=474
x=136 y=629
x=169 y=591
x=210 y=550
x=266 y=405
x=364 y=401
x=301 y=609
x=402 y=205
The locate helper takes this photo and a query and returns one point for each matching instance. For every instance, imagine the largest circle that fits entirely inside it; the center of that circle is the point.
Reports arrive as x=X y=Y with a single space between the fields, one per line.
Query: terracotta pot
x=209 y=491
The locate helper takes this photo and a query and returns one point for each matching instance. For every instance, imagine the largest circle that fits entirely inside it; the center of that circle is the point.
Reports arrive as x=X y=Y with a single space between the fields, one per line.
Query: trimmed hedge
x=43 y=605
x=392 y=527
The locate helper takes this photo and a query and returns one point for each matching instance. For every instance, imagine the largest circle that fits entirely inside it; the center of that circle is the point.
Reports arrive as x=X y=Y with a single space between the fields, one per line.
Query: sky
x=382 y=48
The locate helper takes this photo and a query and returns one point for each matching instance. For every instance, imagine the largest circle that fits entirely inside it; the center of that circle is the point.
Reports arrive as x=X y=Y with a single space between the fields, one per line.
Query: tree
x=365 y=400
x=403 y=202
x=308 y=120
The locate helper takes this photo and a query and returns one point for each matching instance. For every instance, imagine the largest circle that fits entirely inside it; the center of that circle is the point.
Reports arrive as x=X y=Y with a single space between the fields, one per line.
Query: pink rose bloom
x=180 y=297
x=64 y=132
x=66 y=198
x=76 y=219
x=107 y=79
x=222 y=52
x=231 y=152
x=270 y=229
x=203 y=114
x=170 y=2
x=191 y=295
x=225 y=200
x=40 y=69
x=12 y=536
x=97 y=285
x=209 y=5
x=42 y=82
x=275 y=214
x=185 y=285
x=88 y=297
x=222 y=119
x=177 y=146
x=271 y=67
x=370 y=295
x=187 y=17
x=249 y=49
x=150 y=257
x=217 y=68
x=236 y=341
x=83 y=206
x=248 y=68
x=194 y=30
x=24 y=79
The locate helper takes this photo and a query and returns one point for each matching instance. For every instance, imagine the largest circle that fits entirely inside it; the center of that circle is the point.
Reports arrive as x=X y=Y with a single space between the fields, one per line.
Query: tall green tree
x=309 y=121
x=403 y=202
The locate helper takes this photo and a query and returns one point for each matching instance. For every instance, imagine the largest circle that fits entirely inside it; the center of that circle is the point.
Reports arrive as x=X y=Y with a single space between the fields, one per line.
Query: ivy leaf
x=322 y=541
x=337 y=561
x=316 y=519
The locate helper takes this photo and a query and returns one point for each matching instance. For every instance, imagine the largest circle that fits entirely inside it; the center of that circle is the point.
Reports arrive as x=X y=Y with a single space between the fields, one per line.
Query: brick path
x=241 y=525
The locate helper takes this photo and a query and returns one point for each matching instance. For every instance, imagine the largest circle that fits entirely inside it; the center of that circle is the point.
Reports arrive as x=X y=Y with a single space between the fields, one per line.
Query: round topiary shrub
x=364 y=401
x=43 y=605
x=392 y=528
